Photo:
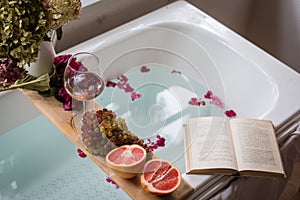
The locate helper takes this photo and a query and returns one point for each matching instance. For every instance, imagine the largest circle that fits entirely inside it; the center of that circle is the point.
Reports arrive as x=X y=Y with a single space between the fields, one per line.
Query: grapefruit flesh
x=126 y=156
x=127 y=160
x=160 y=177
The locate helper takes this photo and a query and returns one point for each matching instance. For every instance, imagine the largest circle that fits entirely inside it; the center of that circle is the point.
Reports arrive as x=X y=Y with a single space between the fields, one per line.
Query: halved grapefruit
x=127 y=160
x=160 y=177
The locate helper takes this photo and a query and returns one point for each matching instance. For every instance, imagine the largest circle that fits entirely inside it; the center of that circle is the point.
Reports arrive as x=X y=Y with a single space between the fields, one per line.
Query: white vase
x=45 y=60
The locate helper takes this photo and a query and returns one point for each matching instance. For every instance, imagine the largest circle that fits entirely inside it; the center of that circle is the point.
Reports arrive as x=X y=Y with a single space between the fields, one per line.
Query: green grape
x=102 y=131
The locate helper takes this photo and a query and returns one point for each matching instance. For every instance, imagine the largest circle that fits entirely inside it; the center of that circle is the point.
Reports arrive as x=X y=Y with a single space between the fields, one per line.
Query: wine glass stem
x=84 y=107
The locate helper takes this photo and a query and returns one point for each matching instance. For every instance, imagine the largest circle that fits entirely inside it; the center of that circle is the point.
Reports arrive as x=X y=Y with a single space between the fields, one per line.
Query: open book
x=228 y=146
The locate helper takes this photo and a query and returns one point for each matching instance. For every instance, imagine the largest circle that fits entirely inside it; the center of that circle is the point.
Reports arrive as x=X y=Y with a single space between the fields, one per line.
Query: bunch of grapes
x=102 y=131
x=91 y=136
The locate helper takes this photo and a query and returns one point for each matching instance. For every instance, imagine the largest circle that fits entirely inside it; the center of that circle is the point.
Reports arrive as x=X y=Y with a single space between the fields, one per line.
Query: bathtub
x=247 y=78
x=185 y=40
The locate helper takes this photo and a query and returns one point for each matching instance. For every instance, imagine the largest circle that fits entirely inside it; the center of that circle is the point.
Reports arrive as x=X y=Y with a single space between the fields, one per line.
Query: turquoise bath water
x=37 y=162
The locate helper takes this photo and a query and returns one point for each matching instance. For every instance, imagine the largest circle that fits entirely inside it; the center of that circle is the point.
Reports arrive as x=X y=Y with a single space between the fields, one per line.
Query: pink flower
x=135 y=96
x=57 y=81
x=81 y=153
x=230 y=113
x=144 y=69
x=61 y=61
x=68 y=102
x=77 y=65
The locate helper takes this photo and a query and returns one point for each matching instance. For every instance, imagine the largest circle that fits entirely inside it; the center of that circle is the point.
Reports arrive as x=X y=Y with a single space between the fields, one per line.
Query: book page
x=210 y=144
x=256 y=145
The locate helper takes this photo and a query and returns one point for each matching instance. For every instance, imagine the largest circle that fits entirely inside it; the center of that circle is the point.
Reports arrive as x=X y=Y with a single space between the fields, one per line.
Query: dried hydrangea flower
x=23 y=27
x=61 y=12
x=24 y=24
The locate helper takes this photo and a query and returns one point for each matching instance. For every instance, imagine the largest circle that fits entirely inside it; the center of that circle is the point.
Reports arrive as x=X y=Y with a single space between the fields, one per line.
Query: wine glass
x=82 y=77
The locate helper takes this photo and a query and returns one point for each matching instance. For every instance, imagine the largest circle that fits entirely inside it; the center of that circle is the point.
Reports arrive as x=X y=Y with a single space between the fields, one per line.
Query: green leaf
x=42 y=83
x=48 y=93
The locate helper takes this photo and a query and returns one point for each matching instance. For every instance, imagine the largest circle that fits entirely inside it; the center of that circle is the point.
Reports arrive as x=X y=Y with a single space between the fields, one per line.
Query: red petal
x=144 y=69
x=193 y=101
x=230 y=113
x=208 y=94
x=109 y=180
x=81 y=153
x=110 y=84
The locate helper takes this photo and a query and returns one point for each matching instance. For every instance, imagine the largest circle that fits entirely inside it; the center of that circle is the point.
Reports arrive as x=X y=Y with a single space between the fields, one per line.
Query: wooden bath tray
x=54 y=111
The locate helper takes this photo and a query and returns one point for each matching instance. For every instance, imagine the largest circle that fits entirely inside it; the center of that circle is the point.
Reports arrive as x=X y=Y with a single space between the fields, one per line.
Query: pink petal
x=144 y=69
x=230 y=113
x=121 y=85
x=135 y=96
x=217 y=101
x=127 y=88
x=193 y=101
x=208 y=94
x=123 y=78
